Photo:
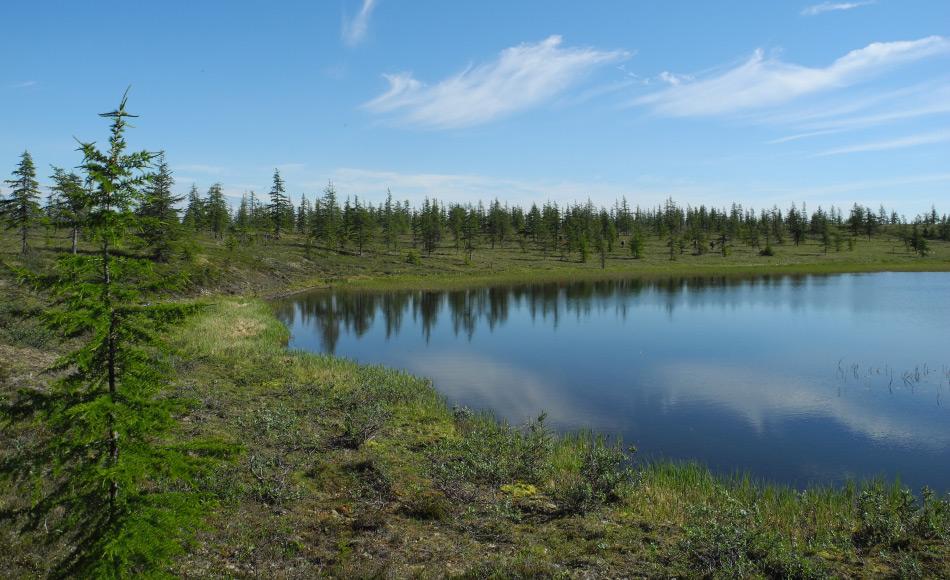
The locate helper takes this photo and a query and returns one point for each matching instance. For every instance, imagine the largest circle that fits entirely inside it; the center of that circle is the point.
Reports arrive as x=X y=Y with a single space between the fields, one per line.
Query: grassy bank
x=358 y=471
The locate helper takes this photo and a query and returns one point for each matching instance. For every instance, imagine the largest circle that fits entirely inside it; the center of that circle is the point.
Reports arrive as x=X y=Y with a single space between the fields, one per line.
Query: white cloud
x=22 y=84
x=354 y=30
x=522 y=77
x=899 y=143
x=817 y=9
x=673 y=78
x=762 y=81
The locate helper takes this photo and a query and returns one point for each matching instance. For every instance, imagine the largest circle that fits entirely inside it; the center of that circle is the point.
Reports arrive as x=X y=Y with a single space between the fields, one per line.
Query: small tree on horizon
x=159 y=226
x=22 y=209
x=73 y=201
x=279 y=203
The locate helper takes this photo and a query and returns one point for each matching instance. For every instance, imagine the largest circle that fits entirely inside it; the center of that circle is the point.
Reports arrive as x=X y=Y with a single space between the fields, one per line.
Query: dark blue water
x=797 y=379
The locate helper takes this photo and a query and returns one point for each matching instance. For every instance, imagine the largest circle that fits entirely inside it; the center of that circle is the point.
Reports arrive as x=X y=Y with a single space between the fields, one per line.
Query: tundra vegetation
x=155 y=423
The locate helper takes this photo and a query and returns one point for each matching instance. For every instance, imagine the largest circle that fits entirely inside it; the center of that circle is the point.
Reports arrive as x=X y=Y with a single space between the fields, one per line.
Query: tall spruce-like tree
x=389 y=223
x=73 y=200
x=108 y=479
x=195 y=214
x=22 y=209
x=330 y=221
x=279 y=204
x=362 y=226
x=216 y=211
x=159 y=226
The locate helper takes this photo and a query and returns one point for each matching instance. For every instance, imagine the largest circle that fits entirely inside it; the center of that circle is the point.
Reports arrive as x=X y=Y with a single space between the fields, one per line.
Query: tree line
x=352 y=225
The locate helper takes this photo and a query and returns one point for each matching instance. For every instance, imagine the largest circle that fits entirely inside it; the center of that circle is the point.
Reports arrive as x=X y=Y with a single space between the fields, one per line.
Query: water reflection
x=740 y=373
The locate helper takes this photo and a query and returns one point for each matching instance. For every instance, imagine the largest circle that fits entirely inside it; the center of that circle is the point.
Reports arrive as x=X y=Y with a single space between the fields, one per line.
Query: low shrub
x=362 y=415
x=604 y=469
x=491 y=453
x=885 y=516
x=412 y=257
x=726 y=538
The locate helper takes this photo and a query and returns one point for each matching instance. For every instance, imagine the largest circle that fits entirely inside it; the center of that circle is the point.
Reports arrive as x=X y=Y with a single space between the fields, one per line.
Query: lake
x=792 y=379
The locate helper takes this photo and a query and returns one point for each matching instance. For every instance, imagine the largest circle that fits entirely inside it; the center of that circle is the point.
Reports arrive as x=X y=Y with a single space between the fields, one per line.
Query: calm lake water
x=795 y=379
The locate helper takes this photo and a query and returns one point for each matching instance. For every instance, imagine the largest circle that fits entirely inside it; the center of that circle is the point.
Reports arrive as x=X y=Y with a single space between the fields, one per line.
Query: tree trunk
x=111 y=363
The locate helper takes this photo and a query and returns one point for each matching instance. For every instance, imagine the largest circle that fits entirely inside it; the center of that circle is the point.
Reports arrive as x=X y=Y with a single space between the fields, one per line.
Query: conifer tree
x=242 y=219
x=279 y=203
x=194 y=219
x=216 y=211
x=389 y=219
x=107 y=479
x=636 y=244
x=22 y=209
x=159 y=226
x=362 y=227
x=73 y=200
x=330 y=220
x=470 y=232
x=302 y=224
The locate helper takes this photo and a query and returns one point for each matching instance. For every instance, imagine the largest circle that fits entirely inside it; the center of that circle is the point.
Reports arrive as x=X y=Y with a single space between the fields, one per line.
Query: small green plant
x=412 y=257
x=604 y=470
x=425 y=504
x=767 y=251
x=719 y=538
x=491 y=453
x=885 y=516
x=933 y=521
x=362 y=415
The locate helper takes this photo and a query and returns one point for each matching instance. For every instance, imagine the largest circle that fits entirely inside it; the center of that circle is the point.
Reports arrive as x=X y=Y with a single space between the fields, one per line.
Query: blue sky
x=762 y=102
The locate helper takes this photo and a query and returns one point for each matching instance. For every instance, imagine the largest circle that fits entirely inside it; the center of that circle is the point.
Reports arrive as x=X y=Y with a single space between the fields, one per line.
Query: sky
x=760 y=102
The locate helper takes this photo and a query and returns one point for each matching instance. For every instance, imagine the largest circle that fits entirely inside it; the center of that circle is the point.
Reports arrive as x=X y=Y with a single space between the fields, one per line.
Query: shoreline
x=451 y=281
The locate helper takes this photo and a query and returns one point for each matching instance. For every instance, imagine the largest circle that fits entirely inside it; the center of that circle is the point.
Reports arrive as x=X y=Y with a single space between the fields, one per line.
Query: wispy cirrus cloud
x=927 y=99
x=762 y=82
x=355 y=29
x=889 y=144
x=22 y=84
x=521 y=77
x=816 y=9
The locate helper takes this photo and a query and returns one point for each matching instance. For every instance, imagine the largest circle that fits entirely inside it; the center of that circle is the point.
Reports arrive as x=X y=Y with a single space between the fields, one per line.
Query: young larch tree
x=22 y=209
x=159 y=226
x=73 y=200
x=107 y=476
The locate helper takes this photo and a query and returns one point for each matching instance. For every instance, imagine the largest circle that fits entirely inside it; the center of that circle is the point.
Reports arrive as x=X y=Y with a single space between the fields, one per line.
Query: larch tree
x=73 y=201
x=195 y=214
x=108 y=479
x=279 y=204
x=159 y=225
x=216 y=211
x=22 y=209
